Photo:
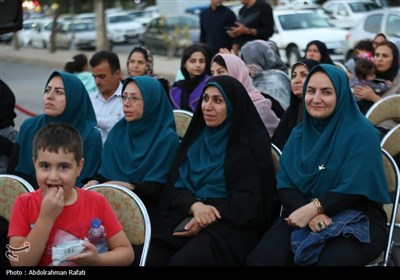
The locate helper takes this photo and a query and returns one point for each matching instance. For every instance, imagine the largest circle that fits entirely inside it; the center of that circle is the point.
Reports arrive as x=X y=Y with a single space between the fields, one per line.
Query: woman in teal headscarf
x=331 y=170
x=140 y=148
x=65 y=100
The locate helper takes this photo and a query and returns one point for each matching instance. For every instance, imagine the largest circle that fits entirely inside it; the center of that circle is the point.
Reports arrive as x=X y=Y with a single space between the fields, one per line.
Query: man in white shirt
x=106 y=101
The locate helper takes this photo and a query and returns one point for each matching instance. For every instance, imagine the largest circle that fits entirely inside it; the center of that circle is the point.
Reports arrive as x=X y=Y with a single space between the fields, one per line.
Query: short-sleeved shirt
x=73 y=222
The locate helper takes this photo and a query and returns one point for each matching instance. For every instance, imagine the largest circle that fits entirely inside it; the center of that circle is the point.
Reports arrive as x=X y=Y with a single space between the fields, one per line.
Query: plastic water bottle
x=97 y=235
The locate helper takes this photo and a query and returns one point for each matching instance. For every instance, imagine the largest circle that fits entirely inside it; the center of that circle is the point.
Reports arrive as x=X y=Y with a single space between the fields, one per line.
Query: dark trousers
x=274 y=249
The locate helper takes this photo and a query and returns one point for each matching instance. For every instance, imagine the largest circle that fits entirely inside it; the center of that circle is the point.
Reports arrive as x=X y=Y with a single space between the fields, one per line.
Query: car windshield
x=117 y=19
x=302 y=21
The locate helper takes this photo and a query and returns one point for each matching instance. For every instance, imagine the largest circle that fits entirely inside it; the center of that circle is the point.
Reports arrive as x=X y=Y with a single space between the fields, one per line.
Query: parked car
x=294 y=29
x=347 y=13
x=25 y=34
x=120 y=26
x=79 y=34
x=386 y=21
x=41 y=32
x=172 y=31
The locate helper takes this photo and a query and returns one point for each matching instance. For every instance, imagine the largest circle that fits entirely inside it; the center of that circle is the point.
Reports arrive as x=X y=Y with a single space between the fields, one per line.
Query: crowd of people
x=323 y=207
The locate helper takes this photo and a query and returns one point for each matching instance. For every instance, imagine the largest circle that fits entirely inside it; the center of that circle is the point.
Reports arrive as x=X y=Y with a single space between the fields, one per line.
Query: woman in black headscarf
x=294 y=113
x=318 y=51
x=8 y=133
x=223 y=178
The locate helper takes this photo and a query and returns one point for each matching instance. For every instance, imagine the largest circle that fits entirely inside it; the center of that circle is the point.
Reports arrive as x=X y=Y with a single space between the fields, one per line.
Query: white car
x=25 y=34
x=79 y=34
x=120 y=26
x=294 y=29
x=347 y=13
x=386 y=21
x=41 y=32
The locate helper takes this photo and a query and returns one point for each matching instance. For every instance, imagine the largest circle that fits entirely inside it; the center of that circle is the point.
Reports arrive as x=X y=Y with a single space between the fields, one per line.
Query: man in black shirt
x=255 y=22
x=214 y=21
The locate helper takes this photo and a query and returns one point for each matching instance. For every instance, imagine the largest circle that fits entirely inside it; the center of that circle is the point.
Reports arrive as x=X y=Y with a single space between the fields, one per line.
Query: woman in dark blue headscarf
x=140 y=148
x=224 y=176
x=78 y=112
x=331 y=169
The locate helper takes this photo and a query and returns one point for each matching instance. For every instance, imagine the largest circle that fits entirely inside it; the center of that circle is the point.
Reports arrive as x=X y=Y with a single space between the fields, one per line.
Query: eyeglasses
x=133 y=99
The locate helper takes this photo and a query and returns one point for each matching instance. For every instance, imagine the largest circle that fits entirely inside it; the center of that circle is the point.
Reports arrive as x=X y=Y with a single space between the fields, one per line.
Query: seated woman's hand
x=123 y=184
x=191 y=228
x=319 y=222
x=90 y=183
x=302 y=216
x=366 y=93
x=205 y=215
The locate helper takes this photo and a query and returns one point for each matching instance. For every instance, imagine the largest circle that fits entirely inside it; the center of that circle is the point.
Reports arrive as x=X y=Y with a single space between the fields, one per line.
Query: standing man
x=214 y=21
x=255 y=22
x=106 y=101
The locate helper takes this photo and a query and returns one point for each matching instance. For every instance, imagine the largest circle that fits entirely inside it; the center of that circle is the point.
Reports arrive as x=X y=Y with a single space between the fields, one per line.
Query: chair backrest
x=182 y=120
x=11 y=187
x=391 y=141
x=392 y=174
x=384 y=109
x=276 y=156
x=131 y=213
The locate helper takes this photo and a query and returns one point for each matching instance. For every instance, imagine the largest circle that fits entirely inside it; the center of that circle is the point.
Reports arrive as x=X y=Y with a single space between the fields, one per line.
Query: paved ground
x=163 y=65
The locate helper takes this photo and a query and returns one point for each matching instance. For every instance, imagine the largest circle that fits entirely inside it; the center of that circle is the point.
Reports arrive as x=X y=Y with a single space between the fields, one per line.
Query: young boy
x=59 y=212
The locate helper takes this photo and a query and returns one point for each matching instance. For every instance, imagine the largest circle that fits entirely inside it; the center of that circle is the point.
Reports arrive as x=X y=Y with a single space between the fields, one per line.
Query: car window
x=172 y=22
x=373 y=23
x=392 y=25
x=341 y=10
x=83 y=26
x=330 y=8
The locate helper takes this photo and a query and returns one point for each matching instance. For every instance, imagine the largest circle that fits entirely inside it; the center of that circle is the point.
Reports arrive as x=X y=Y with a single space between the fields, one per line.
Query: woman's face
x=132 y=101
x=196 y=64
x=377 y=40
x=218 y=70
x=137 y=64
x=383 y=58
x=313 y=53
x=213 y=107
x=299 y=74
x=55 y=100
x=320 y=98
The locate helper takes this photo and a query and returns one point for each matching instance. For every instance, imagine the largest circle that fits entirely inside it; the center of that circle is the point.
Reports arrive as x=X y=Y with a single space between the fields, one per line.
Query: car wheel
x=293 y=55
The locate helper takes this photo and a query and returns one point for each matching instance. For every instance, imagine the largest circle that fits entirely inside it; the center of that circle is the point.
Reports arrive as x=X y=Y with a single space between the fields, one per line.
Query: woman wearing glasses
x=139 y=149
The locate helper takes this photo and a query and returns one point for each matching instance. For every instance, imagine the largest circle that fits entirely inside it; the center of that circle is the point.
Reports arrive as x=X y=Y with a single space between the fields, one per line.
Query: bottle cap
x=96 y=222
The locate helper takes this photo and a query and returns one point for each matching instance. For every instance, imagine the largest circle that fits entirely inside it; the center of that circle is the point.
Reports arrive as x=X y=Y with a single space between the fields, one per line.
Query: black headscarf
x=248 y=167
x=7 y=106
x=323 y=50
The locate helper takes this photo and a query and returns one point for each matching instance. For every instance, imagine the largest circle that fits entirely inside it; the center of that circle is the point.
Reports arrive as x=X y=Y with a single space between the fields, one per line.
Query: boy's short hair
x=56 y=136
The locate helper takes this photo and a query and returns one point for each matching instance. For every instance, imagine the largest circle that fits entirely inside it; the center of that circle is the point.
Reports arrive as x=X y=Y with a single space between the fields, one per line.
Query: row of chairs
x=128 y=207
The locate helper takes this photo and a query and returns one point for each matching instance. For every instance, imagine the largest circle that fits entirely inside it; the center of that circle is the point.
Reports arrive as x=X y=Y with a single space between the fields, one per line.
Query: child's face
x=196 y=64
x=57 y=170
